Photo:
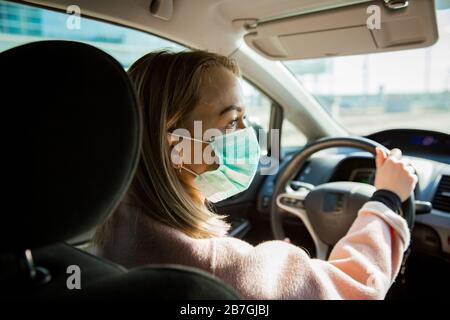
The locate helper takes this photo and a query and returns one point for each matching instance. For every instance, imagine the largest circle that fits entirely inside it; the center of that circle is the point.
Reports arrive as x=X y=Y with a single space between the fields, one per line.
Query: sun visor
x=375 y=26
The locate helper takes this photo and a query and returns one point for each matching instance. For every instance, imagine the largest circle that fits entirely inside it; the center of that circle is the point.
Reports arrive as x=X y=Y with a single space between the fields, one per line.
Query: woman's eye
x=232 y=124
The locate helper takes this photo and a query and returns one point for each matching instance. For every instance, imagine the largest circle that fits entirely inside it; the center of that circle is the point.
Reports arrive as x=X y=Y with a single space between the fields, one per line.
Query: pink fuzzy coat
x=362 y=265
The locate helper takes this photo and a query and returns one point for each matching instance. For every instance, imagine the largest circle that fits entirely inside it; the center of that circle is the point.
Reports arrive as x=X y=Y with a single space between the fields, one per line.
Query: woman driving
x=197 y=150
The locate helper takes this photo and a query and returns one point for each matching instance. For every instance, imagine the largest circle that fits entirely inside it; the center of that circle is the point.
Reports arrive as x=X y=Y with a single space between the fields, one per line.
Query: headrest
x=75 y=136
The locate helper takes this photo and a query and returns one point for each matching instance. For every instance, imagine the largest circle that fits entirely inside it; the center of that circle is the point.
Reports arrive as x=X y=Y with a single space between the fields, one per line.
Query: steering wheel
x=327 y=210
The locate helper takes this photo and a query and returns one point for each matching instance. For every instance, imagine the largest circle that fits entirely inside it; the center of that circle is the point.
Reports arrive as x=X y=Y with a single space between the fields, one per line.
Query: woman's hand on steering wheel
x=394 y=173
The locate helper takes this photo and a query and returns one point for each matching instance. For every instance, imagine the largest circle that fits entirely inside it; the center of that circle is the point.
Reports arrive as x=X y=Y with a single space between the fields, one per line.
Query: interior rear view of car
x=325 y=84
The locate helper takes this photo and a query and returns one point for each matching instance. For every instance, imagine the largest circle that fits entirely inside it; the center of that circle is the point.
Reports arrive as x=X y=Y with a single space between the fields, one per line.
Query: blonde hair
x=168 y=88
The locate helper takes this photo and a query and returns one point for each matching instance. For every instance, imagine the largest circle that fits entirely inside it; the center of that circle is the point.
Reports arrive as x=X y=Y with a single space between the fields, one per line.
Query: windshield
x=373 y=92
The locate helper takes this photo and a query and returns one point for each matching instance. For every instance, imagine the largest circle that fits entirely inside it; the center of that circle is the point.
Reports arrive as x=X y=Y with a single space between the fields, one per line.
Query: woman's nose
x=243 y=124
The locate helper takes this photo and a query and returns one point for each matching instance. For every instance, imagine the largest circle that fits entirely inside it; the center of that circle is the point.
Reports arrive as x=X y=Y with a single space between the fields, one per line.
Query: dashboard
x=427 y=151
x=420 y=143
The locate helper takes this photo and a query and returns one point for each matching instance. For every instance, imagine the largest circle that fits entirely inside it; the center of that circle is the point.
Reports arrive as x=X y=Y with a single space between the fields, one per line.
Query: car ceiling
x=220 y=31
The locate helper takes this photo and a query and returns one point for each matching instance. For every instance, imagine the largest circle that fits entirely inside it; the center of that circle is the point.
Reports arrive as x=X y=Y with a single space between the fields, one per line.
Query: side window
x=258 y=107
x=20 y=24
x=291 y=136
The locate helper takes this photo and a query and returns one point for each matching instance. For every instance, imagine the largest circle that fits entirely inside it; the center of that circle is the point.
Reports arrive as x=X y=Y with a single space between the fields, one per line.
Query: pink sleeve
x=362 y=265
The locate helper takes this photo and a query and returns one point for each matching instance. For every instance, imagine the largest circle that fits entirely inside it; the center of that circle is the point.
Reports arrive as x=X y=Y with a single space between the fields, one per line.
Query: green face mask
x=238 y=154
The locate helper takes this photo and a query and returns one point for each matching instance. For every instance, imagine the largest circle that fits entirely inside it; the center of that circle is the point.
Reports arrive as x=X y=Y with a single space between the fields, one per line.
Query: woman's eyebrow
x=230 y=108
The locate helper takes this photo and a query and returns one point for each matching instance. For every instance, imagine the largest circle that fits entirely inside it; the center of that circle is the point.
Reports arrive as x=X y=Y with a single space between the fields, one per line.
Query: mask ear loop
x=180 y=166
x=193 y=139
x=190 y=171
x=184 y=137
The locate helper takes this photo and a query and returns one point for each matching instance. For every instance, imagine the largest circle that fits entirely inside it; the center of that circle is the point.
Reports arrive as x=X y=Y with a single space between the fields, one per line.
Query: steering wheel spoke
x=293 y=202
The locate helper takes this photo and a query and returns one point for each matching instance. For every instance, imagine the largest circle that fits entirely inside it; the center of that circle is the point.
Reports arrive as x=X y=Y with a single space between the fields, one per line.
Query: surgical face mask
x=238 y=155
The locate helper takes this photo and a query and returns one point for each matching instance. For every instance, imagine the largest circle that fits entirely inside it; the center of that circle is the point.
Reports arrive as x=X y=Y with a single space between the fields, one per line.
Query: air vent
x=441 y=199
